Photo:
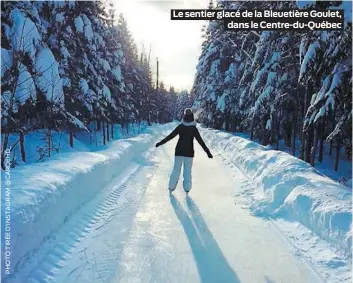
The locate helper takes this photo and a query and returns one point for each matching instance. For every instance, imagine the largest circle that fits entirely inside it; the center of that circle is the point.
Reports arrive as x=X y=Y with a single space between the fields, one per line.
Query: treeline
x=73 y=66
x=185 y=100
x=278 y=85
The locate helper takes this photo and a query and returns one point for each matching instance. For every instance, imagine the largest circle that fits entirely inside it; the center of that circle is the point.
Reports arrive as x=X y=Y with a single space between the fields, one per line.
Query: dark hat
x=188 y=115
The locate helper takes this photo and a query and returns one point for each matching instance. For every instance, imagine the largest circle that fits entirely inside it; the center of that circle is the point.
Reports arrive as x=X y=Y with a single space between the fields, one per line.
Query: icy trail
x=133 y=231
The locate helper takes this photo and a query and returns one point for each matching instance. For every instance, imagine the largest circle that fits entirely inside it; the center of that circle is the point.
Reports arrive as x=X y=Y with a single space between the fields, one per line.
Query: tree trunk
x=107 y=128
x=98 y=125
x=103 y=130
x=227 y=122
x=294 y=135
x=112 y=131
x=4 y=147
x=301 y=114
x=287 y=134
x=234 y=125
x=308 y=144
x=252 y=131
x=272 y=131
x=266 y=137
x=322 y=139
x=277 y=136
x=330 y=148
x=302 y=145
x=337 y=159
x=49 y=143
x=307 y=137
x=71 y=139
x=22 y=146
x=314 y=147
x=333 y=126
x=95 y=137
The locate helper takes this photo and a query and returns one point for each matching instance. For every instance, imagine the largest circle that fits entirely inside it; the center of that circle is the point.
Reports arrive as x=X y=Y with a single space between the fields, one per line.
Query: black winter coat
x=185 y=146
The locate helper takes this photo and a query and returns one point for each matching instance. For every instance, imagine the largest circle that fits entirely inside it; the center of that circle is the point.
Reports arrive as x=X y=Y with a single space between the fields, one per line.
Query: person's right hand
x=209 y=154
x=158 y=144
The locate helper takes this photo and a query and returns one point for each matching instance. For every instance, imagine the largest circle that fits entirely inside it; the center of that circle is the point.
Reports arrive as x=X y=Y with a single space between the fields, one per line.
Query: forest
x=73 y=66
x=279 y=85
x=256 y=188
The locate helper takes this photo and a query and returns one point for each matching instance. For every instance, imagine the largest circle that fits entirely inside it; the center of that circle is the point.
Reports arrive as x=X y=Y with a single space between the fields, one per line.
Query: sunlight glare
x=177 y=44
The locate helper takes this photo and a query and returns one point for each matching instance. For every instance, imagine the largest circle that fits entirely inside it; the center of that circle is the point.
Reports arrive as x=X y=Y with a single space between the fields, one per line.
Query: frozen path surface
x=133 y=231
x=205 y=237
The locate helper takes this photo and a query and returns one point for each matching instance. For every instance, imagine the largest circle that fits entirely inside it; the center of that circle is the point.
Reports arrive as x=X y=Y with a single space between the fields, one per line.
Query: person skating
x=184 y=151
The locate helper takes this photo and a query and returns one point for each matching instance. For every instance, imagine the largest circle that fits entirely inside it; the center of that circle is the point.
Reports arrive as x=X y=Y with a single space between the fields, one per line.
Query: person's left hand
x=158 y=144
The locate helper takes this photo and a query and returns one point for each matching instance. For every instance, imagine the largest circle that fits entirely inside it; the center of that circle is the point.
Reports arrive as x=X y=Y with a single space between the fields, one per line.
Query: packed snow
x=287 y=187
x=6 y=60
x=113 y=214
x=84 y=86
x=24 y=33
x=79 y=24
x=104 y=63
x=56 y=187
x=99 y=39
x=117 y=73
x=305 y=4
x=25 y=87
x=48 y=77
x=309 y=57
x=60 y=17
x=231 y=73
x=106 y=92
x=69 y=30
x=64 y=52
x=88 y=32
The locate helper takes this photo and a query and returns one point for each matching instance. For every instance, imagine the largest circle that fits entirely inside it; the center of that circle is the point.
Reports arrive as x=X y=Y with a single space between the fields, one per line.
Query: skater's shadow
x=210 y=261
x=268 y=280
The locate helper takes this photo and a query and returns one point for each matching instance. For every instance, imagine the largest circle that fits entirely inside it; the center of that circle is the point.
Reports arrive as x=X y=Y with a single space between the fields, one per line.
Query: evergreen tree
x=255 y=82
x=72 y=66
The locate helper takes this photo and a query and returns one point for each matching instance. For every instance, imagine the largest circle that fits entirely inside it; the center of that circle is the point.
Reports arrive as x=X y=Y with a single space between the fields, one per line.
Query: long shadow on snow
x=210 y=261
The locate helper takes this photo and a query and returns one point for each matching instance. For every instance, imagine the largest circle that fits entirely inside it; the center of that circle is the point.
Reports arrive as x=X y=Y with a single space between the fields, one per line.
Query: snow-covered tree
x=278 y=84
x=71 y=66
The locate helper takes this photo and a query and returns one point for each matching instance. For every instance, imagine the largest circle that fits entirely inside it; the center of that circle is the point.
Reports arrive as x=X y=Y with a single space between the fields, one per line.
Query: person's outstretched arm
x=202 y=143
x=172 y=135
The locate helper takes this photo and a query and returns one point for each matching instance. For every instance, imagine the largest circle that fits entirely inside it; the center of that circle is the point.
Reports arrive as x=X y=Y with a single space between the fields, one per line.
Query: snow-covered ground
x=253 y=215
x=343 y=175
x=36 y=143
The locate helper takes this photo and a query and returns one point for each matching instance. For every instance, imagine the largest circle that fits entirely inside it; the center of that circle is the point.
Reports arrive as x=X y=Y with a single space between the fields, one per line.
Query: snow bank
x=287 y=187
x=44 y=195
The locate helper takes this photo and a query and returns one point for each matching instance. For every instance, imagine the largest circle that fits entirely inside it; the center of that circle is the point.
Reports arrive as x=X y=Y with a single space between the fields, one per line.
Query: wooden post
x=157 y=76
